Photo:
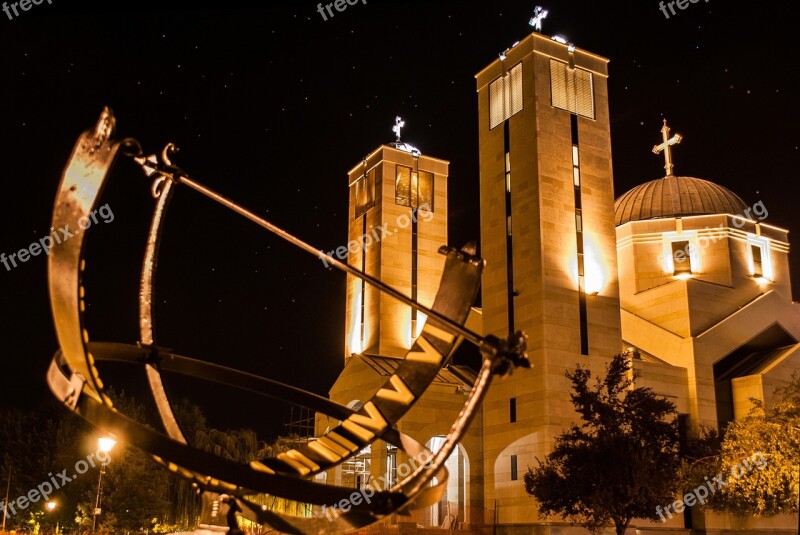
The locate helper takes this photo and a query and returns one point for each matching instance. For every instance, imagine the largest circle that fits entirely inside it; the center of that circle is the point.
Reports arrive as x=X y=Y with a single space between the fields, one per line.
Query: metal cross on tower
x=539 y=14
x=666 y=146
x=398 y=125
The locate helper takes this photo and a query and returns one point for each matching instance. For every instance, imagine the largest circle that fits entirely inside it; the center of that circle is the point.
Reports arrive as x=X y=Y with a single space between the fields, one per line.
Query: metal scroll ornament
x=74 y=378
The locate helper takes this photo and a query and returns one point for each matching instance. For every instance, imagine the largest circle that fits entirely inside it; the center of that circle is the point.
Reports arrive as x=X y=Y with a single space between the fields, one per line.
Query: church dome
x=676 y=196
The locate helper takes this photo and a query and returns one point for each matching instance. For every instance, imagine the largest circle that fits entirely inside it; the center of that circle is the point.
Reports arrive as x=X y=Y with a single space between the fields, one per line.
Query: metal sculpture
x=75 y=380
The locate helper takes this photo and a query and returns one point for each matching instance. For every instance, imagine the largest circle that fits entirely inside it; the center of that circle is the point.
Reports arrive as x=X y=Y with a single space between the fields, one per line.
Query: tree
x=759 y=458
x=620 y=463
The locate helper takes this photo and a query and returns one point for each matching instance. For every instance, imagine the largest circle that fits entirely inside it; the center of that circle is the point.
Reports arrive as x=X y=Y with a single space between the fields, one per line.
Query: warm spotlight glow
x=421 y=319
x=595 y=274
x=683 y=276
x=105 y=444
x=762 y=280
x=50 y=505
x=406 y=329
x=354 y=340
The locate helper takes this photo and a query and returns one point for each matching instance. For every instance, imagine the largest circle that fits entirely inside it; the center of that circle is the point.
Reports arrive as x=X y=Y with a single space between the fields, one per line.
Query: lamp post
x=50 y=505
x=5 y=502
x=105 y=444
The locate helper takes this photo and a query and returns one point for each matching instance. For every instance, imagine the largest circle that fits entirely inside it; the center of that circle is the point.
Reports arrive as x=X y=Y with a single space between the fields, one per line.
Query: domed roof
x=676 y=196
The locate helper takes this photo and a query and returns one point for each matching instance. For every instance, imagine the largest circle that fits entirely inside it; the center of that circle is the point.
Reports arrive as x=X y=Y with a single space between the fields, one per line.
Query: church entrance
x=452 y=508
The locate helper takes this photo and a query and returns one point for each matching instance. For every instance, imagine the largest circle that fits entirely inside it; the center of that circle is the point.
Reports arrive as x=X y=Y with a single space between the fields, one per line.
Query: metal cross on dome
x=666 y=146
x=398 y=125
x=539 y=14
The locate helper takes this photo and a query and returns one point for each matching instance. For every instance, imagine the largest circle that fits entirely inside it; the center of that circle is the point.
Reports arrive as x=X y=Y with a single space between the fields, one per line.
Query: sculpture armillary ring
x=75 y=380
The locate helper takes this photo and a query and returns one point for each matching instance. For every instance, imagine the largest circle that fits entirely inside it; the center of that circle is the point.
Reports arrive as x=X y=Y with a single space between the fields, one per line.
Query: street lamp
x=50 y=505
x=105 y=444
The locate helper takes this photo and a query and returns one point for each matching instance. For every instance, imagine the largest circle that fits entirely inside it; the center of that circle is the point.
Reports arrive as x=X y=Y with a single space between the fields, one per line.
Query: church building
x=680 y=274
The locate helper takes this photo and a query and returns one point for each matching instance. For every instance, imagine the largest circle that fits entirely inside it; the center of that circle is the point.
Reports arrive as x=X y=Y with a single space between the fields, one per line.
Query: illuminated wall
x=393 y=236
x=547 y=234
x=711 y=260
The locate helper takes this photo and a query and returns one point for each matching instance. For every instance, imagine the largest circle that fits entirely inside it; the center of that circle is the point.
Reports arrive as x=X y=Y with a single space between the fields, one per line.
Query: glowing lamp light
x=594 y=271
x=559 y=39
x=594 y=274
x=421 y=319
x=50 y=505
x=683 y=276
x=105 y=444
x=762 y=281
x=354 y=340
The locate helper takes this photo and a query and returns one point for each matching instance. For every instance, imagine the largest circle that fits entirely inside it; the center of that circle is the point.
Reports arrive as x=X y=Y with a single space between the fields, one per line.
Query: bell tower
x=547 y=235
x=398 y=221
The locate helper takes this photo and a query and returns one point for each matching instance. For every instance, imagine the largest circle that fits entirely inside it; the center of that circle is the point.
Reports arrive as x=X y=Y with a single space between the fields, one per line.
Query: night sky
x=272 y=107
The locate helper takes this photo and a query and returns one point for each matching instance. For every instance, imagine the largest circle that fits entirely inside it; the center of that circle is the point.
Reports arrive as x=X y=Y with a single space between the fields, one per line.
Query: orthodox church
x=681 y=274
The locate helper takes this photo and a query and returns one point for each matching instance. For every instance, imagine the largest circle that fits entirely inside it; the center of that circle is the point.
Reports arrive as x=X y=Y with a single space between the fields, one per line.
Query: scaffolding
x=357 y=469
x=301 y=428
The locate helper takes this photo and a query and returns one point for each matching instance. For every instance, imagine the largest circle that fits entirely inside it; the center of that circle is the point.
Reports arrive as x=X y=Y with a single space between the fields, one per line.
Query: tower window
x=365 y=193
x=576 y=167
x=402 y=186
x=680 y=258
x=758 y=267
x=505 y=96
x=680 y=253
x=426 y=190
x=414 y=189
x=513 y=410
x=513 y=468
x=508 y=172
x=571 y=89
x=759 y=258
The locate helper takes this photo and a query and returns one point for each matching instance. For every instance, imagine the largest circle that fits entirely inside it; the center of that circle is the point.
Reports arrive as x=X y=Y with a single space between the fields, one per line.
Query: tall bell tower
x=547 y=234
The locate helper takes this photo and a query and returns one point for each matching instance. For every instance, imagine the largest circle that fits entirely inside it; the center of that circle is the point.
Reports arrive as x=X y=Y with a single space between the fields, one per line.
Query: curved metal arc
x=195 y=464
x=458 y=288
x=308 y=462
x=411 y=380
x=208 y=371
x=79 y=190
x=146 y=311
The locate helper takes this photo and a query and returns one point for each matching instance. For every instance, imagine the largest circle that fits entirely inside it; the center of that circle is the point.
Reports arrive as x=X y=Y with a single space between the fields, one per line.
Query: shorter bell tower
x=397 y=222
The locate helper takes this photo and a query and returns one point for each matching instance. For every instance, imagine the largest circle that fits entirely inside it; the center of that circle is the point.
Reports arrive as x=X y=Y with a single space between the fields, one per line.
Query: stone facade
x=708 y=335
